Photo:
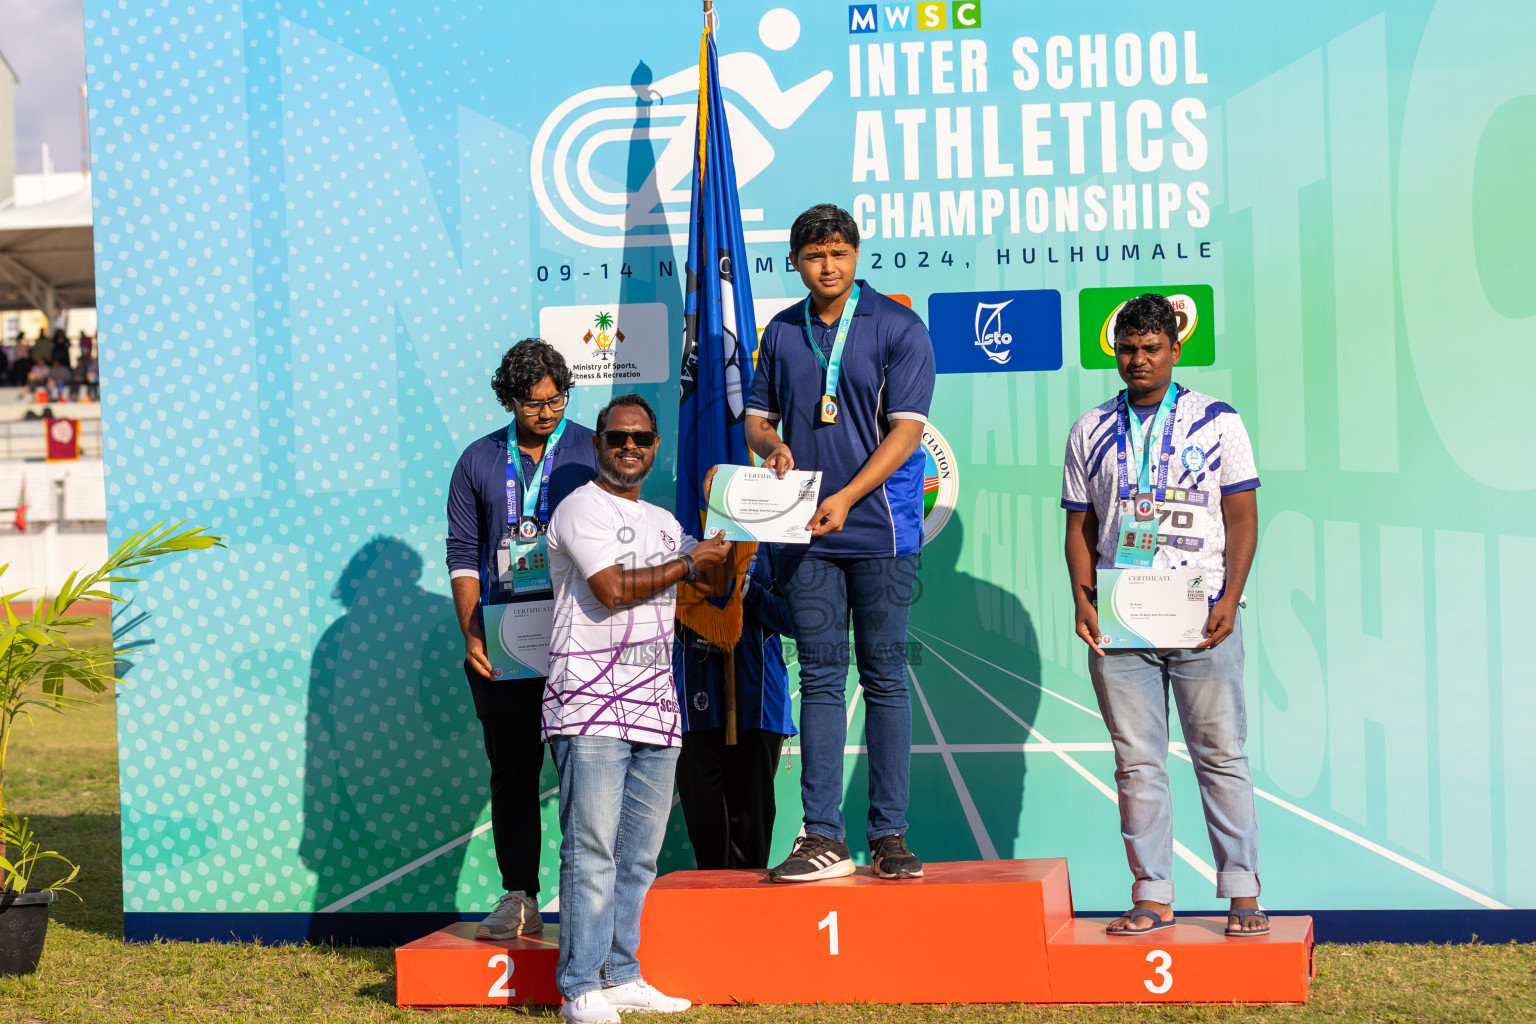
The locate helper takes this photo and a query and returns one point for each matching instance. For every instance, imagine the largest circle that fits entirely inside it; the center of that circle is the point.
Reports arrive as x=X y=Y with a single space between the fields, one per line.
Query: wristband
x=692 y=569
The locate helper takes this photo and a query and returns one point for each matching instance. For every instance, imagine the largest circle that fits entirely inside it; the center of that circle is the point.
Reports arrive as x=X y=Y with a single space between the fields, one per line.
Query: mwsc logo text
x=925 y=17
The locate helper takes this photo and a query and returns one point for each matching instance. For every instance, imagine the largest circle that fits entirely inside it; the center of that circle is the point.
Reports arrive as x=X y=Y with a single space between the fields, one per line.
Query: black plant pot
x=23 y=926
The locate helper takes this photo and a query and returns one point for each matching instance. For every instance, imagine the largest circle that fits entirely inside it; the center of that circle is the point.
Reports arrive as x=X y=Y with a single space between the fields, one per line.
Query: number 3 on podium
x=1160 y=961
x=830 y=924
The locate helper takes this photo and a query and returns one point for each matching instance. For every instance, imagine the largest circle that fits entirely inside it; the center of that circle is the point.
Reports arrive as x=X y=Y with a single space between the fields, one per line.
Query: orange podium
x=452 y=968
x=967 y=932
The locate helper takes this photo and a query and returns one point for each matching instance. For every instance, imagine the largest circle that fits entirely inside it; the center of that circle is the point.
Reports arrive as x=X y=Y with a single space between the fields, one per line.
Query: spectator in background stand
x=91 y=377
x=23 y=361
x=37 y=378
x=59 y=379
x=42 y=349
x=87 y=348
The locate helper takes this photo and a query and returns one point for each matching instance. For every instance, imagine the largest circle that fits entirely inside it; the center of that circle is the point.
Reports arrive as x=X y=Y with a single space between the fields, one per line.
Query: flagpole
x=729 y=657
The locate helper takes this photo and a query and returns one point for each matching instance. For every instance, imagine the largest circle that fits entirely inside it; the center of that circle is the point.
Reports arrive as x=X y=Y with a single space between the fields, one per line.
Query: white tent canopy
x=46 y=258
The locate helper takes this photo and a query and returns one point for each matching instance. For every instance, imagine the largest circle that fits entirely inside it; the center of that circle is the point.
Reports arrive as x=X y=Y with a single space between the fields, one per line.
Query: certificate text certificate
x=517 y=638
x=1148 y=608
x=754 y=504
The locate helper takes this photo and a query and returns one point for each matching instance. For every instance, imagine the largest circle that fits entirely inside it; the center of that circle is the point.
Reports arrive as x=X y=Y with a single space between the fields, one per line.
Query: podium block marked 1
x=972 y=931
x=452 y=968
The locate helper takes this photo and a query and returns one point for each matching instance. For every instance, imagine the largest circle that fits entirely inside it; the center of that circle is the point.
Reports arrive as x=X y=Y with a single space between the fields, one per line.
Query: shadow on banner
x=394 y=761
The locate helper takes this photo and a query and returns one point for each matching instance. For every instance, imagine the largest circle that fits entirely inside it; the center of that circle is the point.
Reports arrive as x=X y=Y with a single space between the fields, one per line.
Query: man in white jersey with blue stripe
x=1160 y=453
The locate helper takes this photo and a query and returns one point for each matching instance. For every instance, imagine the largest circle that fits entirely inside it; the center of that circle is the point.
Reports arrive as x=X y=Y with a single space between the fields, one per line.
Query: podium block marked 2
x=971 y=931
x=452 y=968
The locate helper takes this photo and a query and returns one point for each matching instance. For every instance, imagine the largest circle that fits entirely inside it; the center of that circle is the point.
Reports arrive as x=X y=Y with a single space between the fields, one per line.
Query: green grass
x=64 y=774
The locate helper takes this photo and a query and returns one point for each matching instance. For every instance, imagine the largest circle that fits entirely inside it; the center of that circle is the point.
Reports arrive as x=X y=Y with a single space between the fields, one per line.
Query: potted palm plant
x=38 y=660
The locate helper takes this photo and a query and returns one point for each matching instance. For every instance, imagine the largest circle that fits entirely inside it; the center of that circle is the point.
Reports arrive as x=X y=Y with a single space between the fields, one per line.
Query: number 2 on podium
x=499 y=986
x=830 y=924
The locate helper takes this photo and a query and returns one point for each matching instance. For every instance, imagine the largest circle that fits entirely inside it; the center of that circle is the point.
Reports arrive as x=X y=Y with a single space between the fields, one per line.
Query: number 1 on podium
x=830 y=924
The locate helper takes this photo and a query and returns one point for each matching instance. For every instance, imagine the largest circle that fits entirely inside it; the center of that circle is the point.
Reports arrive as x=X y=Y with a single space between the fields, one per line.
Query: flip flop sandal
x=1238 y=931
x=1133 y=914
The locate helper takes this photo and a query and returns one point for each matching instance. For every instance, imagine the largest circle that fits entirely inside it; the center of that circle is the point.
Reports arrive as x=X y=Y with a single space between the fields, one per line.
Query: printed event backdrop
x=319 y=225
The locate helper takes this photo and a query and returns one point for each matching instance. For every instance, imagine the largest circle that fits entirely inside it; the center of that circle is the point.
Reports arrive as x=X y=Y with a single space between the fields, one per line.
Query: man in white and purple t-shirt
x=610 y=709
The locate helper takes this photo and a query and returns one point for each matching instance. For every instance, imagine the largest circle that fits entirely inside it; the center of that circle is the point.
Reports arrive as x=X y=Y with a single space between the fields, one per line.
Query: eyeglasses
x=556 y=404
x=618 y=438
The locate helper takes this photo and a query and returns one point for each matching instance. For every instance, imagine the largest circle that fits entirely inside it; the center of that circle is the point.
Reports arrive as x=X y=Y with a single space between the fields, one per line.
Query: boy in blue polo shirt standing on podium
x=843 y=384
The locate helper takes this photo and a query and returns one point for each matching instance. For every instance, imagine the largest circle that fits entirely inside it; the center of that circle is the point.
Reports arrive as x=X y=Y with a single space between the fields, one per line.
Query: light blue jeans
x=615 y=797
x=1207 y=687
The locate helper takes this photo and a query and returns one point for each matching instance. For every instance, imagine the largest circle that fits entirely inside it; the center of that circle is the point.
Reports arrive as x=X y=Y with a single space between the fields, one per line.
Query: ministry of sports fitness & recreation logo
x=590 y=145
x=941 y=482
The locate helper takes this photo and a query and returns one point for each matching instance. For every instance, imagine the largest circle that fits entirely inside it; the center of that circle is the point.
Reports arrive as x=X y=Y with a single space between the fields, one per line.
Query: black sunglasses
x=618 y=438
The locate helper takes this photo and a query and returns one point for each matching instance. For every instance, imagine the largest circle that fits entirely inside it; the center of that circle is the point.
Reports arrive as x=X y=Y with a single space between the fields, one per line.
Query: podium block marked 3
x=728 y=936
x=1192 y=962
x=452 y=968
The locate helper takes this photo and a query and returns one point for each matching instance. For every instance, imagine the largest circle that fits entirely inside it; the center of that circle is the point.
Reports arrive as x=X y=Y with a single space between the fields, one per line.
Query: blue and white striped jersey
x=1210 y=457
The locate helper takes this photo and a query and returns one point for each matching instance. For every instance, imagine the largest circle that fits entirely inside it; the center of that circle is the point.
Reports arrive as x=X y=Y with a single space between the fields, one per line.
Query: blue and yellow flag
x=720 y=335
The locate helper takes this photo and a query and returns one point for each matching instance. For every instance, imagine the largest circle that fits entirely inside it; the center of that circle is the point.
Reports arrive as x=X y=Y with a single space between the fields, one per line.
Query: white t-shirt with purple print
x=610 y=672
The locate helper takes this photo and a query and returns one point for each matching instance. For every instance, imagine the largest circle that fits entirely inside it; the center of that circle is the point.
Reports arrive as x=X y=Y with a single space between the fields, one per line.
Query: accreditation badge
x=1136 y=543
x=530 y=566
x=828 y=409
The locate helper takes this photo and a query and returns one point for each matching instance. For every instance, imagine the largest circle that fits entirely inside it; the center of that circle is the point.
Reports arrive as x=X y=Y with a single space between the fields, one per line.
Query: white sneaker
x=515 y=915
x=639 y=995
x=589 y=1008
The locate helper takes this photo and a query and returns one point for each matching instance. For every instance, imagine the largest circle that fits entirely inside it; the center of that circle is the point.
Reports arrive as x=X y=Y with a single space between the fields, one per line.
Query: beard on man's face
x=620 y=473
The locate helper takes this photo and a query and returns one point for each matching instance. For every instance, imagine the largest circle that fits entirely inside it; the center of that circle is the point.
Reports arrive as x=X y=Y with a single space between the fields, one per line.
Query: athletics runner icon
x=597 y=127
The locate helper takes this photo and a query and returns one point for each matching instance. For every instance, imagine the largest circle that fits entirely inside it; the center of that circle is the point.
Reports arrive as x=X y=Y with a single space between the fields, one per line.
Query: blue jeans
x=1207 y=686
x=822 y=595
x=615 y=797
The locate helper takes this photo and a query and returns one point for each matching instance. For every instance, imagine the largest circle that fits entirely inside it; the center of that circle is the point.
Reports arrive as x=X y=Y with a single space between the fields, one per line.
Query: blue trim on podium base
x=1490 y=926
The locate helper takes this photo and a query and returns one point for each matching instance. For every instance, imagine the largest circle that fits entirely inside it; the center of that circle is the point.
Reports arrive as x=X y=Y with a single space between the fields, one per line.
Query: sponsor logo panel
x=989 y=332
x=1194 y=304
x=621 y=343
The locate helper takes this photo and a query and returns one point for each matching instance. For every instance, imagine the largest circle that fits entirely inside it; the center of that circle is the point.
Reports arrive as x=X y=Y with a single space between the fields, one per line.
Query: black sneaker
x=813 y=858
x=890 y=858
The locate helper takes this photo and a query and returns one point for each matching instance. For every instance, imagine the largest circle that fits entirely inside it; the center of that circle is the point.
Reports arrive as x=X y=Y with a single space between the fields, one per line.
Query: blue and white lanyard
x=535 y=491
x=1131 y=445
x=833 y=367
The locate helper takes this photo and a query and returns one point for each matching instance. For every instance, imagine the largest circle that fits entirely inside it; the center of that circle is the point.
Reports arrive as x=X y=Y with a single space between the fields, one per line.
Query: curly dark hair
x=822 y=223
x=635 y=400
x=524 y=365
x=1147 y=314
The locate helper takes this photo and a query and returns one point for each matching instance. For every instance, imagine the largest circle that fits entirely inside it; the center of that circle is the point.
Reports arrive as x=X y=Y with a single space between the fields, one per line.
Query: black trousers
x=509 y=713
x=727 y=796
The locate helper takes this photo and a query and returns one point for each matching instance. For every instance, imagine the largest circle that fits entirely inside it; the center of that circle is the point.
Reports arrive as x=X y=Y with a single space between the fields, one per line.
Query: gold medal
x=828 y=409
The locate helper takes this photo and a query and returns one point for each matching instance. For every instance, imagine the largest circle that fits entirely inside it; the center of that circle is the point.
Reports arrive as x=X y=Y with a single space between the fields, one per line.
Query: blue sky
x=44 y=41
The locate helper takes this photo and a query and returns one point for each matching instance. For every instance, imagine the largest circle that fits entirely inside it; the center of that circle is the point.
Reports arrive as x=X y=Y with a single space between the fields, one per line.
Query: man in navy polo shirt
x=498 y=509
x=843 y=384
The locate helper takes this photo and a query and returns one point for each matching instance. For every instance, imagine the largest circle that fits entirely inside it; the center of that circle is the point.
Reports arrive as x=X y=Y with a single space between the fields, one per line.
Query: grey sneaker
x=515 y=914
x=890 y=858
x=814 y=857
